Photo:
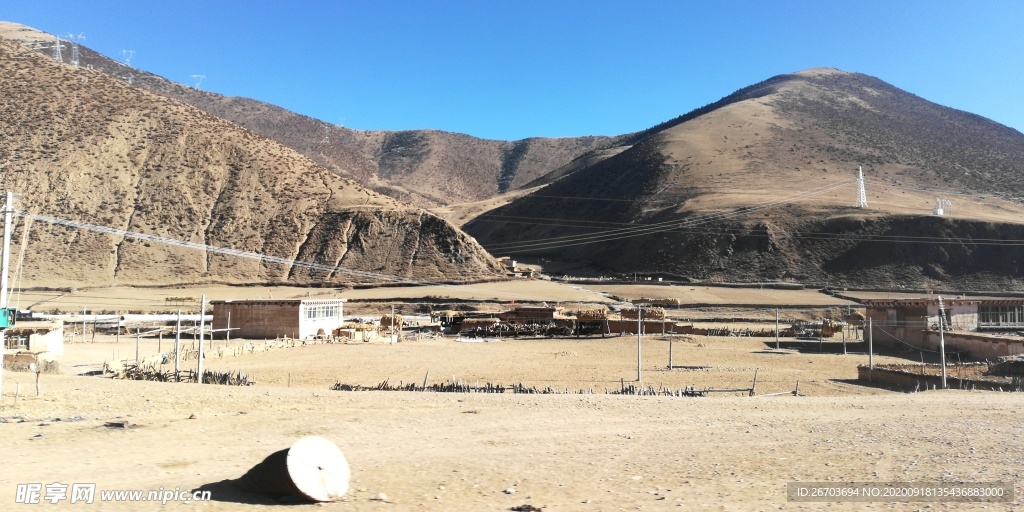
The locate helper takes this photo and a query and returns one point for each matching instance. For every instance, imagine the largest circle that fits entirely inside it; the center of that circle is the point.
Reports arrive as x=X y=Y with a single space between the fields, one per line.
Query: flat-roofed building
x=984 y=328
x=273 y=318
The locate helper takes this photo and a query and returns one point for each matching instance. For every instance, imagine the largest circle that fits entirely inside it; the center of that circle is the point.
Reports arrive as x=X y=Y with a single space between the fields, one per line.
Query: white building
x=265 y=319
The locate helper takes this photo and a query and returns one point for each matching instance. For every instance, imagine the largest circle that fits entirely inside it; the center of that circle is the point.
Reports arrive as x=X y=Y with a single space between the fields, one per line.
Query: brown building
x=265 y=319
x=533 y=315
x=972 y=326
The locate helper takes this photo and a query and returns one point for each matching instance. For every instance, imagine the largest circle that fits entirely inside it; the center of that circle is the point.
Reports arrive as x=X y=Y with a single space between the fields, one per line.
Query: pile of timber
x=227 y=378
x=592 y=314
x=385 y=321
x=649 y=313
x=131 y=371
x=667 y=302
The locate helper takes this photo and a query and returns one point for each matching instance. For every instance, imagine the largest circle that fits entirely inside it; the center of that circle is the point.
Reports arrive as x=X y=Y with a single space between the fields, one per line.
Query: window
x=890 y=317
x=319 y=312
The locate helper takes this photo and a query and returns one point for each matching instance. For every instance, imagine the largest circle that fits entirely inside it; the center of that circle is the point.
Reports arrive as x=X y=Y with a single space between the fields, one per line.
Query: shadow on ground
x=230 y=491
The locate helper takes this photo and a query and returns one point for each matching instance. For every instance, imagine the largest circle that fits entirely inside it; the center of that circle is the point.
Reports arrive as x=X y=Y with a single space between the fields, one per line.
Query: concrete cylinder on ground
x=313 y=469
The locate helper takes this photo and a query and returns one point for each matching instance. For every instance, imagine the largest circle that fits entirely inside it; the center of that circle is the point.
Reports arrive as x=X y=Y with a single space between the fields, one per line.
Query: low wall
x=908 y=378
x=977 y=347
x=649 y=326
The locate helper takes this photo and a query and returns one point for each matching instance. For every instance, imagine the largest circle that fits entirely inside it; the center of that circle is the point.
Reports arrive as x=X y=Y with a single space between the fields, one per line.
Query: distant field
x=716 y=301
x=698 y=294
x=904 y=296
x=155 y=299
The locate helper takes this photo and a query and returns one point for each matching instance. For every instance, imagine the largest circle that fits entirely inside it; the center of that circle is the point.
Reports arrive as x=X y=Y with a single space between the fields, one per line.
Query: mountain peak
x=793 y=142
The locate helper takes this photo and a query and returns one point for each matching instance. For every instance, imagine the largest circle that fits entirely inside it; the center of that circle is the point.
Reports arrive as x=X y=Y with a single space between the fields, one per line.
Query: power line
x=376 y=276
x=644 y=229
x=814 y=235
x=216 y=249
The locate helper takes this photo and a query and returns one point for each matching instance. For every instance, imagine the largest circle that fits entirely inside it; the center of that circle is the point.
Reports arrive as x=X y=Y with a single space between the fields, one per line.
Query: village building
x=526 y=315
x=513 y=269
x=273 y=318
x=36 y=337
x=981 y=328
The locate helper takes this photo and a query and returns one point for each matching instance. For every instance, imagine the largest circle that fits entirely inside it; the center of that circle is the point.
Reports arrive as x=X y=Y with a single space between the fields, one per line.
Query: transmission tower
x=56 y=51
x=199 y=80
x=75 y=40
x=862 y=195
x=942 y=206
x=128 y=54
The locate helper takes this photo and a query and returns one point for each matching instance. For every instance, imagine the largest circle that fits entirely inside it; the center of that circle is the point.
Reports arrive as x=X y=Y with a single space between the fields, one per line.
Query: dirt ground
x=162 y=299
x=447 y=451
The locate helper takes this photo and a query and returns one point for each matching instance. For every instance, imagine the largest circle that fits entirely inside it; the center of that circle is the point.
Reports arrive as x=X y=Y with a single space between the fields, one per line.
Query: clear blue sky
x=509 y=69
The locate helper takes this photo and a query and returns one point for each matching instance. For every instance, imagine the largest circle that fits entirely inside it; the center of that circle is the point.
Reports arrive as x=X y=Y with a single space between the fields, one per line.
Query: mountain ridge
x=798 y=133
x=446 y=167
x=80 y=145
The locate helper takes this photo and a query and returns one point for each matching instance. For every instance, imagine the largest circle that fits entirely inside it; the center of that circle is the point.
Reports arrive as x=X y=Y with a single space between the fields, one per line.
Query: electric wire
x=697 y=220
x=645 y=229
x=265 y=258
x=814 y=235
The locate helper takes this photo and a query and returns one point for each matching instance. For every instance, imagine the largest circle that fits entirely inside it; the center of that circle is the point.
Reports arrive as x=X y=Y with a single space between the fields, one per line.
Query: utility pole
x=776 y=328
x=871 y=350
x=177 y=344
x=8 y=210
x=639 y=348
x=83 y=324
x=202 y=325
x=942 y=342
x=392 y=324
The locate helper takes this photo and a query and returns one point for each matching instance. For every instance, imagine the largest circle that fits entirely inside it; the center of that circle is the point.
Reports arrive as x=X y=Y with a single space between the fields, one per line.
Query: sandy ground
x=439 y=451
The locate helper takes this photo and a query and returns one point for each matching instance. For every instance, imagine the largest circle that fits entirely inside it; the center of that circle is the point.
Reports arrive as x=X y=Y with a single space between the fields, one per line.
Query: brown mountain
x=78 y=144
x=426 y=168
x=759 y=186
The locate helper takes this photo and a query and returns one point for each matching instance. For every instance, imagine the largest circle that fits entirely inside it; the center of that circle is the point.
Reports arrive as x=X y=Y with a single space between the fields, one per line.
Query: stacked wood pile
x=139 y=372
x=385 y=321
x=666 y=302
x=227 y=378
x=131 y=371
x=354 y=326
x=592 y=314
x=649 y=313
x=746 y=333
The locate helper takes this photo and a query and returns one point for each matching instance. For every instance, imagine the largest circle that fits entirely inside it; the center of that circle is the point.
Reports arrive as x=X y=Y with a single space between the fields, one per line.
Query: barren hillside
x=760 y=186
x=426 y=168
x=77 y=144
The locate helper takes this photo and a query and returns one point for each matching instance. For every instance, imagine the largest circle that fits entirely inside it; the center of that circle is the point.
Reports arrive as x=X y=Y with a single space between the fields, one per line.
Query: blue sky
x=515 y=69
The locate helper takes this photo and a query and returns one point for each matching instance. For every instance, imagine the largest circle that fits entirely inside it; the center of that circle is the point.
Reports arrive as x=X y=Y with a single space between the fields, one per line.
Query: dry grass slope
x=425 y=168
x=78 y=144
x=702 y=172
